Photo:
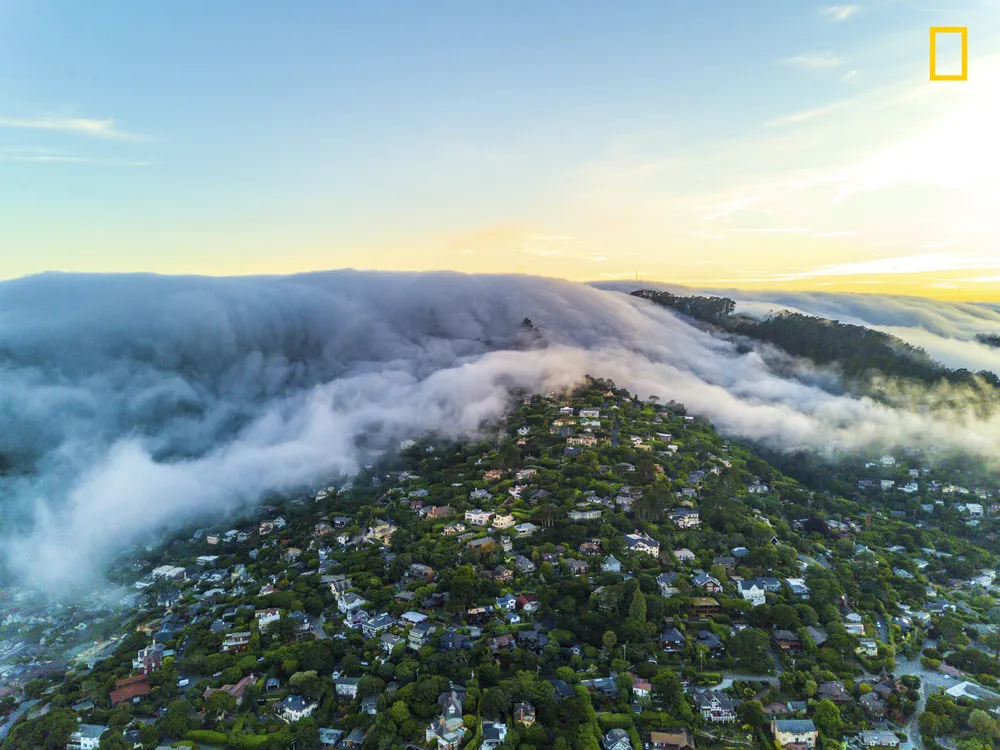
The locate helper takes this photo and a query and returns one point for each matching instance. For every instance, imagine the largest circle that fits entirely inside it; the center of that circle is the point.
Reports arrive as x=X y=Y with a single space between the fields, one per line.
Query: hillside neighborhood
x=598 y=572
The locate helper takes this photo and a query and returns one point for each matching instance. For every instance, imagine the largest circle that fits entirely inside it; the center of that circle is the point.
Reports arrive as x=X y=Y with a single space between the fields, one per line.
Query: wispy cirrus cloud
x=817 y=60
x=838 y=12
x=105 y=129
x=49 y=156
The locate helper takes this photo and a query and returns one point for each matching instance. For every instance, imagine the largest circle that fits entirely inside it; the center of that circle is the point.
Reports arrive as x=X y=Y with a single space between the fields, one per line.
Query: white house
x=668 y=584
x=639 y=541
x=267 y=616
x=684 y=555
x=478 y=517
x=295 y=708
x=686 y=518
x=347 y=687
x=503 y=521
x=86 y=737
x=350 y=601
x=752 y=591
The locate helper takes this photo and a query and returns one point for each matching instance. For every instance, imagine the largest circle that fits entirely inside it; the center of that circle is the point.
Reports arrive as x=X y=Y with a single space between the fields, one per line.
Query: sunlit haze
x=785 y=145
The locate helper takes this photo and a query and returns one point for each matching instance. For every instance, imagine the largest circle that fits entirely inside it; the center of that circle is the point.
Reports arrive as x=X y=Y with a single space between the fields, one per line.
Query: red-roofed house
x=130 y=689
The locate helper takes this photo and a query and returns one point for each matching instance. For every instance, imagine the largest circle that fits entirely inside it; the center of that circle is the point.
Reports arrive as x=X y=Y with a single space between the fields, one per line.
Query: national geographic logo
x=963 y=31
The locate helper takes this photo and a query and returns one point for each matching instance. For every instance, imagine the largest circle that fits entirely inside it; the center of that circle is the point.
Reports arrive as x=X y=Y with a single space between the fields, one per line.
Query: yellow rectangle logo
x=964 y=31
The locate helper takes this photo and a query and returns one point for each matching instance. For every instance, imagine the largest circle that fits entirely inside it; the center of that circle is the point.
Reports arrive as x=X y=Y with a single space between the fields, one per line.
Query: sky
x=773 y=145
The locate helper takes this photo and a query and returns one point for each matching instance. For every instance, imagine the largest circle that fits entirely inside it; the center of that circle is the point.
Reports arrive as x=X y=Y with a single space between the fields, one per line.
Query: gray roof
x=797 y=726
x=91 y=731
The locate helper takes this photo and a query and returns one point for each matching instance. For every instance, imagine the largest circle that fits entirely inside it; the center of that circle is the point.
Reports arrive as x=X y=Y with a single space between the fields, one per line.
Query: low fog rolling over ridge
x=131 y=404
x=946 y=330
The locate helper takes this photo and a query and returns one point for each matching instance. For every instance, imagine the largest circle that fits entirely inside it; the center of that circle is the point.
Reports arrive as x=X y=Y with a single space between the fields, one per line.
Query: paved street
x=929 y=681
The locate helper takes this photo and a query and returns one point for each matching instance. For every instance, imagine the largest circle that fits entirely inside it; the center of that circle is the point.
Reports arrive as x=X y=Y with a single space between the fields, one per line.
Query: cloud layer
x=141 y=402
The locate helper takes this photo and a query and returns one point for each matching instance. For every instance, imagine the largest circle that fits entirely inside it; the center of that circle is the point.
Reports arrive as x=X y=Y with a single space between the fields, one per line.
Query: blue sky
x=245 y=137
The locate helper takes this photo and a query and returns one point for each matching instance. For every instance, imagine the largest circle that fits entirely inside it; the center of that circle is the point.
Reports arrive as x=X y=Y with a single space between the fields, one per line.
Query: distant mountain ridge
x=859 y=352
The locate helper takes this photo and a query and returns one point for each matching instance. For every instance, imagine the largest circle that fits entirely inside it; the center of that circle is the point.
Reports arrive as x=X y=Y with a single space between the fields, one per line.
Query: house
x=440 y=511
x=447 y=731
x=639 y=541
x=149 y=659
x=525 y=529
x=500 y=574
x=524 y=564
x=86 y=737
x=616 y=739
x=132 y=689
x=592 y=514
x=672 y=640
x=421 y=573
x=728 y=562
x=389 y=641
x=494 y=733
x=610 y=564
x=524 y=713
x=686 y=518
x=500 y=643
x=485 y=542
x=818 y=636
x=668 y=584
x=868 y=647
x=355 y=739
x=705 y=606
x=590 y=547
x=377 y=625
x=503 y=521
x=671 y=739
x=878 y=738
x=787 y=640
x=507 y=602
x=350 y=601
x=168 y=597
x=237 y=691
x=527 y=602
x=236 y=642
x=707 y=583
x=798 y=587
x=347 y=687
x=420 y=635
x=454 y=642
x=752 y=591
x=710 y=640
x=873 y=704
x=715 y=706
x=577 y=567
x=478 y=517
x=641 y=687
x=794 y=734
x=295 y=708
x=265 y=617
x=330 y=737
x=834 y=691
x=684 y=555
x=339 y=584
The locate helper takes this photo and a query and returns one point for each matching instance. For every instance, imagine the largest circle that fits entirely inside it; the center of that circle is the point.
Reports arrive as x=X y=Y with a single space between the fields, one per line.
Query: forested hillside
x=858 y=352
